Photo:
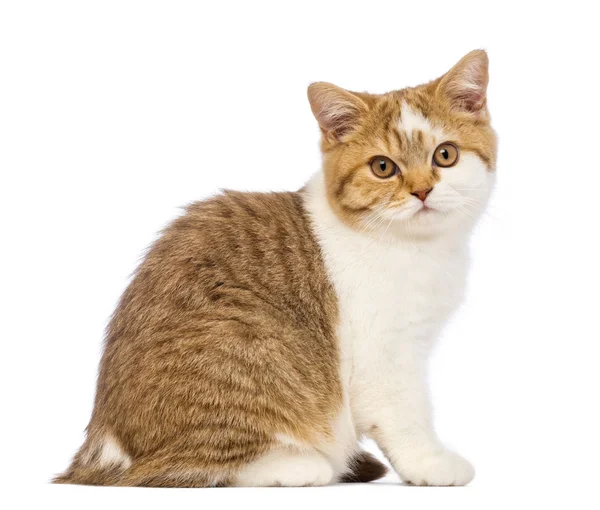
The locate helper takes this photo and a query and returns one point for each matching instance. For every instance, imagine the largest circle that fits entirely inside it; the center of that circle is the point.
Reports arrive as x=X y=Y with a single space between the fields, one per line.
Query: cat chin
x=432 y=222
x=427 y=214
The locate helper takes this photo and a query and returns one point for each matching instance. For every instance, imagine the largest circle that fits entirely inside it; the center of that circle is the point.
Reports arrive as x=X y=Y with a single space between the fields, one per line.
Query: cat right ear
x=465 y=85
x=337 y=111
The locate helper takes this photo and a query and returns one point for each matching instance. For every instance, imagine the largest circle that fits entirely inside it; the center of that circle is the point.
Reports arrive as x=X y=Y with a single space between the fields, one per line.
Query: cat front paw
x=441 y=468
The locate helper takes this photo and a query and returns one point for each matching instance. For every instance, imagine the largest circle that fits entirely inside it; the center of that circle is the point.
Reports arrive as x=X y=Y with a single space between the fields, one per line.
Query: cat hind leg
x=287 y=467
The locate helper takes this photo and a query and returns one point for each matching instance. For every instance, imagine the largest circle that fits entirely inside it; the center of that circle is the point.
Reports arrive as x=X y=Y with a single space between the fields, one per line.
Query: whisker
x=377 y=214
x=388 y=226
x=479 y=210
x=466 y=212
x=374 y=217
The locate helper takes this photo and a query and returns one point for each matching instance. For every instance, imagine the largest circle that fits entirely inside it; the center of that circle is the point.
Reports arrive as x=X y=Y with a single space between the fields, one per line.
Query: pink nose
x=421 y=194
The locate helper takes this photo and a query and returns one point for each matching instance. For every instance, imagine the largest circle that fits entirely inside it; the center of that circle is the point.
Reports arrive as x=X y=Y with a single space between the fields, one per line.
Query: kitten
x=265 y=333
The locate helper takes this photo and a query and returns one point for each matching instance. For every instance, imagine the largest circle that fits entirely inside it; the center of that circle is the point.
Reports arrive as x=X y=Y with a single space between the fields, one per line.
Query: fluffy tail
x=102 y=461
x=85 y=475
x=98 y=462
x=364 y=468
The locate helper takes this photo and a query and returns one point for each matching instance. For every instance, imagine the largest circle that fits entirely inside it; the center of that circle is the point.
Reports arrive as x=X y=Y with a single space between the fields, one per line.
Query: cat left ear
x=337 y=111
x=465 y=85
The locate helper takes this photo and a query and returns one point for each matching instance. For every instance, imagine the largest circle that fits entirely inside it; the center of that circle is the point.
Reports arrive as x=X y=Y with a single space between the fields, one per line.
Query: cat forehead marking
x=412 y=120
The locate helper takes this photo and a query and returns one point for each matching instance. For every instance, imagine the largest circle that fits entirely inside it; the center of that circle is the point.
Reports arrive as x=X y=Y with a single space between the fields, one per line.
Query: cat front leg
x=391 y=405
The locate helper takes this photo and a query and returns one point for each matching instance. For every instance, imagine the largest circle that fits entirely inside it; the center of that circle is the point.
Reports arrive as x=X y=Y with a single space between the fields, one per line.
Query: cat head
x=417 y=161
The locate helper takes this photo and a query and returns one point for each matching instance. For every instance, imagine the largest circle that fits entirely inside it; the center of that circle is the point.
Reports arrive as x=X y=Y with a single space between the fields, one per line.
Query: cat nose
x=421 y=194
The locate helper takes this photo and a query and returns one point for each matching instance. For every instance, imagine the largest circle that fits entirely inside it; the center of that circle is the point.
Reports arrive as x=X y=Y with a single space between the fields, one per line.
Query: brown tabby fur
x=225 y=337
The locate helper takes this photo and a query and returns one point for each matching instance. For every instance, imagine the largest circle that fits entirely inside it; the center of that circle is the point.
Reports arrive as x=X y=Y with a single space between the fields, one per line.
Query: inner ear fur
x=337 y=110
x=465 y=85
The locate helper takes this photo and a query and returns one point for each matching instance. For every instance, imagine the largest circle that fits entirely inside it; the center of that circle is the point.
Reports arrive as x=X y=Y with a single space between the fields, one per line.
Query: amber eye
x=383 y=167
x=446 y=155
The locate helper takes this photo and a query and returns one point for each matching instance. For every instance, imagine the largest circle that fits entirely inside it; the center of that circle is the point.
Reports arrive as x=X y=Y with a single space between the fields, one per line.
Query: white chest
x=384 y=287
x=393 y=297
x=390 y=295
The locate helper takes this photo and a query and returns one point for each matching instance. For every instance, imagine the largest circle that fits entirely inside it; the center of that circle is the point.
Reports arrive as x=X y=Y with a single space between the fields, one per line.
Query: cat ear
x=465 y=85
x=337 y=111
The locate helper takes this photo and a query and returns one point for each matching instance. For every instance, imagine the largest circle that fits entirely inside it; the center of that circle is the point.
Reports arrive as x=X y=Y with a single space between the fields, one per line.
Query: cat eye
x=446 y=155
x=383 y=167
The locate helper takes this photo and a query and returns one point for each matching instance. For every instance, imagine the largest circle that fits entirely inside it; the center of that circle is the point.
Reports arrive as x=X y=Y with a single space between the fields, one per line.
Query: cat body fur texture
x=265 y=334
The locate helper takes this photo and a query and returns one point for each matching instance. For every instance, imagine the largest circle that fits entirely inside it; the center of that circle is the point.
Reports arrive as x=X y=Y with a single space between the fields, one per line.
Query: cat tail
x=364 y=468
x=98 y=462
x=102 y=461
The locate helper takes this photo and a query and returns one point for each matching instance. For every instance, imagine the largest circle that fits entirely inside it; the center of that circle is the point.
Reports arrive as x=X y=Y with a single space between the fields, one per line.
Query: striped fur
x=228 y=360
x=224 y=339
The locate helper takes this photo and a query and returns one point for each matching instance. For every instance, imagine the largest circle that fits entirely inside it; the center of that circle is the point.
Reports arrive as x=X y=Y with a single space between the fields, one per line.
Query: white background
x=115 y=114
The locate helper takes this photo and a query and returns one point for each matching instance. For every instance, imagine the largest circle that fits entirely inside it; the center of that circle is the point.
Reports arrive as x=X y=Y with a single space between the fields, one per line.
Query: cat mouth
x=425 y=209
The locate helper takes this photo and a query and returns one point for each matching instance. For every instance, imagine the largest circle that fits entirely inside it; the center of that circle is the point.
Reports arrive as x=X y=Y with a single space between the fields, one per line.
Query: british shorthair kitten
x=265 y=333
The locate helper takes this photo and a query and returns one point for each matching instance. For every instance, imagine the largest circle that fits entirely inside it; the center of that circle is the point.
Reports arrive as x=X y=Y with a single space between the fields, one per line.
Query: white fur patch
x=111 y=454
x=287 y=469
x=412 y=120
